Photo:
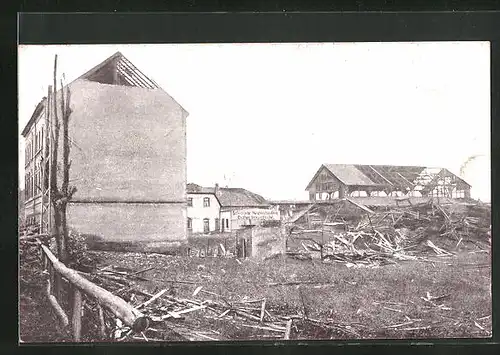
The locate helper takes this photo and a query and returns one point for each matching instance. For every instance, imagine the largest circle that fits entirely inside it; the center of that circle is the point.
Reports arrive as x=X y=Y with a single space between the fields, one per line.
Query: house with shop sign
x=224 y=209
x=128 y=154
x=337 y=181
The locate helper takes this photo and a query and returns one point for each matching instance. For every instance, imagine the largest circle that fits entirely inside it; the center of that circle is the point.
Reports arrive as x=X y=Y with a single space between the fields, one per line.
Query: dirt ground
x=385 y=302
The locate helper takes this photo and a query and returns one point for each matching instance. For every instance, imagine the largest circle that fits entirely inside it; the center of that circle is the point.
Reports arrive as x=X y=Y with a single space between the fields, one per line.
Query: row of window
x=206 y=202
x=33 y=182
x=30 y=221
x=34 y=145
x=206 y=224
x=441 y=191
x=325 y=186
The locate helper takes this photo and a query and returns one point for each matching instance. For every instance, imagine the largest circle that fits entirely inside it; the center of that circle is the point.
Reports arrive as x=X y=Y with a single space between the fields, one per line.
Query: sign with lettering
x=257 y=214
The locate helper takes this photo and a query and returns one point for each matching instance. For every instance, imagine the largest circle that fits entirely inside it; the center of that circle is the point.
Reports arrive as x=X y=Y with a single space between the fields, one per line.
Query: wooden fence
x=68 y=292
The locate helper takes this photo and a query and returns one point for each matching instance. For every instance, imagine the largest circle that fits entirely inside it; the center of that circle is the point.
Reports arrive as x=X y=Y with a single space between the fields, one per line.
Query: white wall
x=226 y=216
x=198 y=213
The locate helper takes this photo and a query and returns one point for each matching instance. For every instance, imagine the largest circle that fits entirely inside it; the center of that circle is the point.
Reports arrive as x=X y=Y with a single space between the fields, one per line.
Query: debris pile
x=403 y=233
x=199 y=316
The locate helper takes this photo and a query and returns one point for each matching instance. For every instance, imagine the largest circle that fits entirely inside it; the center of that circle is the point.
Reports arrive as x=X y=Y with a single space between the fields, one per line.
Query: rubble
x=387 y=235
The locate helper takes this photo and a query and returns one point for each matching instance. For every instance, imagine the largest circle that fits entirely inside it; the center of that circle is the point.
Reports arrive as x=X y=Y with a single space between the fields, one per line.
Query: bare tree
x=60 y=197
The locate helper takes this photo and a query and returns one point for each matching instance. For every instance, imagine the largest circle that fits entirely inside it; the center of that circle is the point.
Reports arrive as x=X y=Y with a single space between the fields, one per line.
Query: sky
x=266 y=116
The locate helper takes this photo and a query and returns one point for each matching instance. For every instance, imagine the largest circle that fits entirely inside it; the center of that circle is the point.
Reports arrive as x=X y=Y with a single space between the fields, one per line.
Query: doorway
x=206 y=225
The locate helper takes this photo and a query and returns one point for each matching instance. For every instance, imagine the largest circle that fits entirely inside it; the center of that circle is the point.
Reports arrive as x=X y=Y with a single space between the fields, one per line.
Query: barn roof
x=384 y=175
x=348 y=174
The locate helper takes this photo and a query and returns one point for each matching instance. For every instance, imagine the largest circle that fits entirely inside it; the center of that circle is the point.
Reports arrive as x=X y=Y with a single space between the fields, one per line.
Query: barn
x=333 y=181
x=128 y=153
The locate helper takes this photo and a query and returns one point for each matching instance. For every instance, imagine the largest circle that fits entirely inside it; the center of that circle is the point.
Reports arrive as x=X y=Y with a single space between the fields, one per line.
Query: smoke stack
x=216 y=189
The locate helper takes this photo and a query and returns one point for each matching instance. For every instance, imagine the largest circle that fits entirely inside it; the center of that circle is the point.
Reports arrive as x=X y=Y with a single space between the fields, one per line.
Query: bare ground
x=329 y=300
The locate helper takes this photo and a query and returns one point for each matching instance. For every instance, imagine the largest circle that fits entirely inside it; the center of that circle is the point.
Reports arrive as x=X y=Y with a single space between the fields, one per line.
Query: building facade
x=221 y=209
x=333 y=181
x=128 y=153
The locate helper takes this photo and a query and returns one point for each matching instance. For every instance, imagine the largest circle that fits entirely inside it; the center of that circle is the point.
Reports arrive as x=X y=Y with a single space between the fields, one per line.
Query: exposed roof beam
x=383 y=177
x=140 y=74
x=130 y=75
x=124 y=68
x=405 y=179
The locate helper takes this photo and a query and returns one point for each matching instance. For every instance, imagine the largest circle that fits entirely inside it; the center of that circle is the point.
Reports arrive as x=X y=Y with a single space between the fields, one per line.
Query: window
x=189 y=223
x=206 y=201
x=217 y=225
x=190 y=202
x=227 y=223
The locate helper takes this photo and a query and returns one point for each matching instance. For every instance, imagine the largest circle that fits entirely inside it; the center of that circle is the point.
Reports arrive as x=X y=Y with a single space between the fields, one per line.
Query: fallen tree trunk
x=130 y=316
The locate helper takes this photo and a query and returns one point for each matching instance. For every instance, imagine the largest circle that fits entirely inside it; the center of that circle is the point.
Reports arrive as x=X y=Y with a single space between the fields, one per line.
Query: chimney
x=216 y=190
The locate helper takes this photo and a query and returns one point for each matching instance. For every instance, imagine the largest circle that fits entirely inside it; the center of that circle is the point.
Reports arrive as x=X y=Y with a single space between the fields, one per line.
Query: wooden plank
x=152 y=299
x=102 y=323
x=76 y=321
x=262 y=310
x=288 y=329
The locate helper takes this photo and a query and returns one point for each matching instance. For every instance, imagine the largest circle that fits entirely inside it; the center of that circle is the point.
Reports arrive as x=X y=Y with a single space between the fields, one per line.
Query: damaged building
x=337 y=181
x=128 y=149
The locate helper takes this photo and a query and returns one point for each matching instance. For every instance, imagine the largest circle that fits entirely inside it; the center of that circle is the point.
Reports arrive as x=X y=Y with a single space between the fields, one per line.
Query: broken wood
x=56 y=306
x=77 y=315
x=152 y=299
x=288 y=329
x=142 y=271
x=198 y=289
x=263 y=328
x=115 y=304
x=102 y=322
x=176 y=314
x=262 y=311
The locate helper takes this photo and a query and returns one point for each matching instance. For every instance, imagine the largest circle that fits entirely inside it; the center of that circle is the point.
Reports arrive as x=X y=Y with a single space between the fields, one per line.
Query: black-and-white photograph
x=264 y=191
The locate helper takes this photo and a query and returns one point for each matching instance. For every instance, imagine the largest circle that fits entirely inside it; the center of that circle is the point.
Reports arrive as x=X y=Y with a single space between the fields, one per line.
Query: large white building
x=222 y=209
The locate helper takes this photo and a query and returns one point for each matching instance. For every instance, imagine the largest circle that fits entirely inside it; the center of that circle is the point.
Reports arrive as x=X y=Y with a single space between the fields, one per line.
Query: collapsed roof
x=397 y=177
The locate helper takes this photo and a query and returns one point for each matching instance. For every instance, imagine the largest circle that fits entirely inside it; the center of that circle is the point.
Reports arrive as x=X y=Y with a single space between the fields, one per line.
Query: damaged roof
x=115 y=70
x=398 y=176
x=348 y=174
x=230 y=196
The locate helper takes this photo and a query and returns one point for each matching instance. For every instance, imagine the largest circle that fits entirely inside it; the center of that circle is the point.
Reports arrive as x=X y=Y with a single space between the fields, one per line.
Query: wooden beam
x=382 y=176
x=102 y=323
x=128 y=314
x=133 y=74
x=57 y=307
x=140 y=74
x=76 y=321
x=288 y=329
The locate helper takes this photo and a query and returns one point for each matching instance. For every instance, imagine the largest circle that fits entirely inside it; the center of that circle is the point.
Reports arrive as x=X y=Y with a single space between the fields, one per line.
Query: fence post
x=77 y=314
x=102 y=325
